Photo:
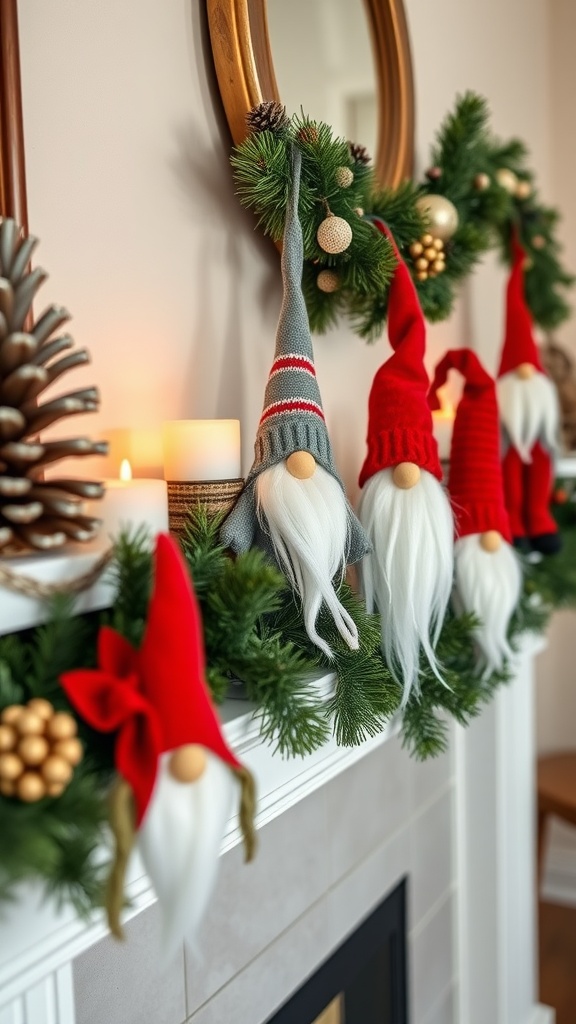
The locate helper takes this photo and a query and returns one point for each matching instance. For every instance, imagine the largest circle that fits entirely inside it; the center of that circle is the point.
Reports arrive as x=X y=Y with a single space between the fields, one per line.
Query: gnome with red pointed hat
x=488 y=578
x=403 y=507
x=530 y=418
x=293 y=503
x=176 y=774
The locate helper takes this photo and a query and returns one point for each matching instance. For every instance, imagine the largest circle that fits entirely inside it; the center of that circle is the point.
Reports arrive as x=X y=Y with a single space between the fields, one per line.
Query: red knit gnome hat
x=399 y=419
x=475 y=476
x=519 y=344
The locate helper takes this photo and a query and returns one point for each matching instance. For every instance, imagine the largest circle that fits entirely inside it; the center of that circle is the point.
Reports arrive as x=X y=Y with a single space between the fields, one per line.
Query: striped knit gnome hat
x=519 y=344
x=292 y=419
x=399 y=419
x=475 y=477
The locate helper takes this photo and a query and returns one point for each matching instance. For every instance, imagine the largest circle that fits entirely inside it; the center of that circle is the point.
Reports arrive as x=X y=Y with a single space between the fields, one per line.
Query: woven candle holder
x=216 y=495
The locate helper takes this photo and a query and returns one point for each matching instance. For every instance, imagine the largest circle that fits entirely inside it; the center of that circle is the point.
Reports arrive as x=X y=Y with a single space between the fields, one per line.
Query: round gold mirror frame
x=245 y=71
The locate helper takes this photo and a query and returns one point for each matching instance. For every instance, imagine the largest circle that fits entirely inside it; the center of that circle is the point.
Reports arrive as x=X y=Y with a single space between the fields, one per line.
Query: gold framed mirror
x=245 y=68
x=12 y=175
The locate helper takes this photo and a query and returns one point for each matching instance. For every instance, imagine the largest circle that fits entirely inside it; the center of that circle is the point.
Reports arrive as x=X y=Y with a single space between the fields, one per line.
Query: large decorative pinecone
x=37 y=514
x=359 y=153
x=268 y=117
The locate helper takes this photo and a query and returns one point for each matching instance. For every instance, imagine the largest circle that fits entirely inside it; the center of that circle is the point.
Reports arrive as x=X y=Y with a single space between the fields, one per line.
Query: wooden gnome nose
x=490 y=541
x=406 y=475
x=301 y=465
x=524 y=371
x=188 y=763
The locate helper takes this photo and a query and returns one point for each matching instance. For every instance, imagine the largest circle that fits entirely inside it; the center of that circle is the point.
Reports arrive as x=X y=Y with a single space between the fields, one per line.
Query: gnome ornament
x=293 y=503
x=403 y=506
x=176 y=774
x=488 y=578
x=530 y=420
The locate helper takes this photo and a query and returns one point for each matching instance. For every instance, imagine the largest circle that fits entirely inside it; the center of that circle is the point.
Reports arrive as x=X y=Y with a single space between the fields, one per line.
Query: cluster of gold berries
x=429 y=257
x=39 y=750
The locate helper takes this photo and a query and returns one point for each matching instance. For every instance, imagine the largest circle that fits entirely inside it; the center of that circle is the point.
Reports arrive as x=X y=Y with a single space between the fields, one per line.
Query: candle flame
x=125 y=470
x=447 y=410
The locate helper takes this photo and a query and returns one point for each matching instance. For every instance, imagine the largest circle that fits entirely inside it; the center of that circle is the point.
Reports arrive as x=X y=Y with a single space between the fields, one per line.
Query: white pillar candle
x=443 y=425
x=130 y=504
x=198 y=450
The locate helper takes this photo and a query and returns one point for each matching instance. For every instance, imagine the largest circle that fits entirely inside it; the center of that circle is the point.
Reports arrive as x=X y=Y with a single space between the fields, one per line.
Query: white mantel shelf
x=38 y=942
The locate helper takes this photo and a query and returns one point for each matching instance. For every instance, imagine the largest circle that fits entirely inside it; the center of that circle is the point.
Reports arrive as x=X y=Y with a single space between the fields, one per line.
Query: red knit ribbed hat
x=475 y=476
x=399 y=420
x=519 y=344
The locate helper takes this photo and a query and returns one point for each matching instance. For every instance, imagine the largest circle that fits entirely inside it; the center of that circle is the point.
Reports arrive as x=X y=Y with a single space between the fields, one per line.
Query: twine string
x=22 y=584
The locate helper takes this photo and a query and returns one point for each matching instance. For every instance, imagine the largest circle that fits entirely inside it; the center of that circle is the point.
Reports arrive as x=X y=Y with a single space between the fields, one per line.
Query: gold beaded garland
x=441 y=215
x=344 y=177
x=38 y=750
x=334 y=234
x=328 y=281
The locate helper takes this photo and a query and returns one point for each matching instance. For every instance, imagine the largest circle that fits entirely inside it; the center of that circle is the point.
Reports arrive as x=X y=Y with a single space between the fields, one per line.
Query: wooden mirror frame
x=245 y=72
x=12 y=174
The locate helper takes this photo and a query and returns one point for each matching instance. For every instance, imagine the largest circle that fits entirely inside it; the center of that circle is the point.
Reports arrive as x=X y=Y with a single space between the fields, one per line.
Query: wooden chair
x=556 y=787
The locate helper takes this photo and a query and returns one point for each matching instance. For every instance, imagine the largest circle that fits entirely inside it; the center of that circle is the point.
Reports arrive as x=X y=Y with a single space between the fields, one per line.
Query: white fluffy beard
x=408 y=575
x=488 y=584
x=179 y=840
x=308 y=524
x=529 y=410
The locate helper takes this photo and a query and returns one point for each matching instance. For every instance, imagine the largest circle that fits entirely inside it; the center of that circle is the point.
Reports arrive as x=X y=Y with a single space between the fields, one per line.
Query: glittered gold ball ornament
x=440 y=214
x=328 y=281
x=38 y=750
x=344 y=177
x=481 y=181
x=188 y=763
x=334 y=234
x=507 y=180
x=523 y=190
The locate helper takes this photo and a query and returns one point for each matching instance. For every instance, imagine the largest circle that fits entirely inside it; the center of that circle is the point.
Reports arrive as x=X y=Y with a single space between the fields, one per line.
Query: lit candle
x=130 y=504
x=201 y=450
x=443 y=425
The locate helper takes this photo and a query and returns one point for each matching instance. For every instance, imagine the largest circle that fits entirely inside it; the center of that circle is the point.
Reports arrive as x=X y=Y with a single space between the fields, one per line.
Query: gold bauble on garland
x=482 y=181
x=429 y=257
x=40 y=750
x=507 y=180
x=34 y=513
x=440 y=214
x=523 y=190
x=334 y=234
x=328 y=281
x=344 y=177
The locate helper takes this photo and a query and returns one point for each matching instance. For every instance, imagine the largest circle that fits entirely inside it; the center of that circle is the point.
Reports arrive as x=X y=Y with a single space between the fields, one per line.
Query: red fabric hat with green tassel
x=519 y=344
x=399 y=419
x=156 y=698
x=475 y=477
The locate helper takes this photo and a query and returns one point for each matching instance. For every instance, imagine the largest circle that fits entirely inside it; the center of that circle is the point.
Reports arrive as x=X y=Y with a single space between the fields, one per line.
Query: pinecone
x=37 y=514
x=359 y=153
x=268 y=117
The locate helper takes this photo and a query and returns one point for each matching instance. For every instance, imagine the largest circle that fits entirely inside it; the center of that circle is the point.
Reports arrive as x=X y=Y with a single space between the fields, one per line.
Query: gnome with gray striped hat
x=293 y=503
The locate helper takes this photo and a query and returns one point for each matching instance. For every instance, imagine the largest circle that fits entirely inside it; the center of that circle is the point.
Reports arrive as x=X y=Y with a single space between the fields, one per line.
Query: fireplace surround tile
x=431 y=867
x=445 y=1010
x=432 y=959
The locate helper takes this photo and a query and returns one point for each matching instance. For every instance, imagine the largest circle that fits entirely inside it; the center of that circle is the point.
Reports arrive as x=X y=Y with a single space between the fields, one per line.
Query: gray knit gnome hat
x=292 y=418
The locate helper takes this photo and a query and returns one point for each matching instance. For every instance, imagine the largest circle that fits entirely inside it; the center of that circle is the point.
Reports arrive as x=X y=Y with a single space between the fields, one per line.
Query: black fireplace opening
x=365 y=979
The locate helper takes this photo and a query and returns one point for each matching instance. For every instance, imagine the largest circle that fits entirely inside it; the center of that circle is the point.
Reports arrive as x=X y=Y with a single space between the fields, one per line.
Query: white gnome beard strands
x=180 y=839
x=408 y=576
x=529 y=410
x=488 y=584
x=308 y=524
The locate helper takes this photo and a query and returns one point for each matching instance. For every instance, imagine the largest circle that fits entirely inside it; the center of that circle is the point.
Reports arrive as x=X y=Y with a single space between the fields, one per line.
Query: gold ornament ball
x=523 y=190
x=188 y=763
x=11 y=713
x=438 y=266
x=334 y=234
x=421 y=263
x=427 y=240
x=490 y=541
x=525 y=371
x=8 y=738
x=538 y=242
x=29 y=723
x=416 y=250
x=430 y=253
x=441 y=215
x=328 y=281
x=507 y=180
x=33 y=750
x=56 y=769
x=55 y=789
x=301 y=465
x=11 y=767
x=30 y=787
x=438 y=244
x=406 y=475
x=344 y=177
x=422 y=275
x=7 y=788
x=41 y=707
x=71 y=750
x=481 y=181
x=61 y=726
x=359 y=210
